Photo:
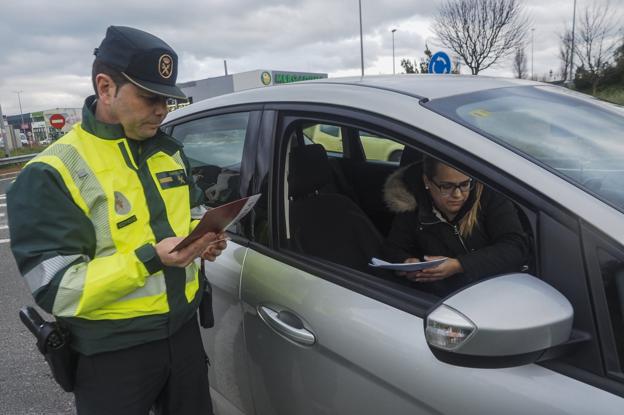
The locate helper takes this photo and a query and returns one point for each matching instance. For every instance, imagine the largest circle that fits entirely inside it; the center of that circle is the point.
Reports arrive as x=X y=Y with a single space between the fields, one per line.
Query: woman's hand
x=408 y=261
x=446 y=269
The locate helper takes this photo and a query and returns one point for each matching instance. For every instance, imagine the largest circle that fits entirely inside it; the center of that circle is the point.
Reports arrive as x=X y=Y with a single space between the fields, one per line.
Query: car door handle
x=287 y=324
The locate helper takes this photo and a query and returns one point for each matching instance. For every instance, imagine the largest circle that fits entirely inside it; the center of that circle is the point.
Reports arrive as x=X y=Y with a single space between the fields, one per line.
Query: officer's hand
x=215 y=248
x=184 y=256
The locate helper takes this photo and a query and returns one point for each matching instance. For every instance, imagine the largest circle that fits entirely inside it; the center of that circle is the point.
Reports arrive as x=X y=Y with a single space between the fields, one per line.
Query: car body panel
x=224 y=343
x=371 y=358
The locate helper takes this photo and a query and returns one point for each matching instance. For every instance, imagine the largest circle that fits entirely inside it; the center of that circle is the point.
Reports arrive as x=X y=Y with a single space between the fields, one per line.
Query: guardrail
x=7 y=161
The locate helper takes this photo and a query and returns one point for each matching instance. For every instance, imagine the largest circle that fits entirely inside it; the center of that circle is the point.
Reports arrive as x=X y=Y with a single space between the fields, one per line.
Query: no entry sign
x=57 y=121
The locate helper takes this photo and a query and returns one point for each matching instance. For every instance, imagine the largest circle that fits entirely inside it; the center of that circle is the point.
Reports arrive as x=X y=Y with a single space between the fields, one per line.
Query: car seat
x=325 y=224
x=410 y=155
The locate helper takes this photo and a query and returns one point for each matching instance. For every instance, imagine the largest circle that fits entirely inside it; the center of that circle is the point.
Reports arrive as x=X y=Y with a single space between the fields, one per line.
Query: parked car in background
x=375 y=147
x=305 y=326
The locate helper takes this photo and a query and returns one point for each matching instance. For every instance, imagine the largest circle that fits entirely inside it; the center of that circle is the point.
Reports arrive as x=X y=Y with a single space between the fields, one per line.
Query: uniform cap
x=145 y=60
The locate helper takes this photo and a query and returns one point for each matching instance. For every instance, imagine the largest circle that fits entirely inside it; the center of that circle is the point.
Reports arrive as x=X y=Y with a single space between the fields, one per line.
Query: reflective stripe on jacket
x=107 y=288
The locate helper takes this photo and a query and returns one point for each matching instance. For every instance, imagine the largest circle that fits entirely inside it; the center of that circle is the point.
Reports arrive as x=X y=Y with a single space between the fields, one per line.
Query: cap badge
x=165 y=66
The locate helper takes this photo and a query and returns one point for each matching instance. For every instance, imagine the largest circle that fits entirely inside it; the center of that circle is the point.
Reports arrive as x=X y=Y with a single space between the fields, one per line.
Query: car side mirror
x=504 y=321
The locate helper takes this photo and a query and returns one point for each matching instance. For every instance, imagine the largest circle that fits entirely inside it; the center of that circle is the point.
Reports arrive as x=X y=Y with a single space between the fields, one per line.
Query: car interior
x=323 y=222
x=337 y=211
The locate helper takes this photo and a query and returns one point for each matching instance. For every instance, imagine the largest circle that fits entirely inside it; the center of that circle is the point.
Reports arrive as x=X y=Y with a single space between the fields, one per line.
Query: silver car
x=300 y=331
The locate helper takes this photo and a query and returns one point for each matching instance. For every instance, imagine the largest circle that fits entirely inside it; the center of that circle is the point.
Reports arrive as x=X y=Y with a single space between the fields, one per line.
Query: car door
x=325 y=339
x=215 y=144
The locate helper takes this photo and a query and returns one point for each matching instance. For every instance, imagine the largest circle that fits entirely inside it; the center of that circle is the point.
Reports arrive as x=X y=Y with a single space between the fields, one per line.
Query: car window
x=579 y=139
x=379 y=148
x=214 y=147
x=340 y=211
x=612 y=269
x=327 y=135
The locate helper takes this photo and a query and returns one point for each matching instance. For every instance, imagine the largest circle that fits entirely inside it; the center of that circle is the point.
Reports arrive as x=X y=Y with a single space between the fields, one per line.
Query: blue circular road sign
x=440 y=63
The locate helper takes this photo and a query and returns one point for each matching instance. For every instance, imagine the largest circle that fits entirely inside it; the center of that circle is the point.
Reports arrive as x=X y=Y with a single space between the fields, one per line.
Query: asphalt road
x=26 y=385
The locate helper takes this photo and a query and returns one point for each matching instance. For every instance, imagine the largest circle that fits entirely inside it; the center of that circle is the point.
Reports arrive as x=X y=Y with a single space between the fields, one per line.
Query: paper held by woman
x=413 y=266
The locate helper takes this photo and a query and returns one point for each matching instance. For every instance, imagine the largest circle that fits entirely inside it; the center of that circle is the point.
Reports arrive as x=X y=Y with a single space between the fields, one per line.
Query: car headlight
x=447 y=328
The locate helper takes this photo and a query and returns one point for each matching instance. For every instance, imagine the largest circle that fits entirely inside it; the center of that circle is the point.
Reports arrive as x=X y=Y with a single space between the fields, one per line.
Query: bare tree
x=565 y=53
x=520 y=64
x=596 y=41
x=481 y=32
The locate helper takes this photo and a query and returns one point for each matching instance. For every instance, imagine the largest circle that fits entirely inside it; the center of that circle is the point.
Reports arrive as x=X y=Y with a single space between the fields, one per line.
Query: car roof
x=331 y=90
x=428 y=86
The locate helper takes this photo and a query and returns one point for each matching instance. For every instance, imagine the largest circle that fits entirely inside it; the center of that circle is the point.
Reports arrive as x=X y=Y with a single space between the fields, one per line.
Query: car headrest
x=410 y=155
x=309 y=170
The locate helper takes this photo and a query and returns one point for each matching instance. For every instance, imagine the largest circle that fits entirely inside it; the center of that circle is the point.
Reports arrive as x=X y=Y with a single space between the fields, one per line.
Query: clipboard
x=219 y=219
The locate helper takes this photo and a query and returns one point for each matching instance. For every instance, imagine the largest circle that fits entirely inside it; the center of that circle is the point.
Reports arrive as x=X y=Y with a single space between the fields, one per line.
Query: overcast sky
x=46 y=46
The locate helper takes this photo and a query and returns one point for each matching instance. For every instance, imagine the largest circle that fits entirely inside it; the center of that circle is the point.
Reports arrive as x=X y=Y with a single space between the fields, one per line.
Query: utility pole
x=572 y=47
x=5 y=137
x=361 y=40
x=19 y=99
x=532 y=47
x=393 y=68
x=225 y=66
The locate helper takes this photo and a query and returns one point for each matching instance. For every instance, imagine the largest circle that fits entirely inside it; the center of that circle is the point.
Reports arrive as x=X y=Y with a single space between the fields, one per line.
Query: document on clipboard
x=412 y=266
x=219 y=219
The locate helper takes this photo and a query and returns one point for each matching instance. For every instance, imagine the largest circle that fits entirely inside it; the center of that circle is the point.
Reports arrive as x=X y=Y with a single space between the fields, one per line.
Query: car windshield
x=579 y=138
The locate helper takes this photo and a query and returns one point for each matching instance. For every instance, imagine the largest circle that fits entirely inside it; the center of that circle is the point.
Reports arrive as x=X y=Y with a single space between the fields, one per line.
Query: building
x=36 y=126
x=212 y=87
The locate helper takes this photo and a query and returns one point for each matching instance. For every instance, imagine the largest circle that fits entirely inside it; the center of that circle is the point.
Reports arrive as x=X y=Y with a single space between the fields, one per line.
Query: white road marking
x=1 y=215
x=7 y=174
x=2 y=204
x=4 y=241
x=4 y=227
x=6 y=180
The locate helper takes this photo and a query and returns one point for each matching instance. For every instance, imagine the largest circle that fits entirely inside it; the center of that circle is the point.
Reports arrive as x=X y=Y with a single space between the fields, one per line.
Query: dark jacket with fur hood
x=496 y=245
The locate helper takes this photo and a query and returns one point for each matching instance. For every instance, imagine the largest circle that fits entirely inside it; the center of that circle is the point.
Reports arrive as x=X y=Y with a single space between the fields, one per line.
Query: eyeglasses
x=447 y=189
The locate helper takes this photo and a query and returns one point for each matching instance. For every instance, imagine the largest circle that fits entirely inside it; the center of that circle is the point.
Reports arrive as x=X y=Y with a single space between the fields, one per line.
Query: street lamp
x=19 y=99
x=393 y=69
x=572 y=47
x=361 y=40
x=532 y=44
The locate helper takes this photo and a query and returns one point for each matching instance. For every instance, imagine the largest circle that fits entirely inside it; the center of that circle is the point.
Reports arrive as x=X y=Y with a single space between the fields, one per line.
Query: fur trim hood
x=398 y=197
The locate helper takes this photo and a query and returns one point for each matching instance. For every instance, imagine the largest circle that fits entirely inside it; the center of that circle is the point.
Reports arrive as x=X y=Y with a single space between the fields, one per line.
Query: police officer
x=93 y=221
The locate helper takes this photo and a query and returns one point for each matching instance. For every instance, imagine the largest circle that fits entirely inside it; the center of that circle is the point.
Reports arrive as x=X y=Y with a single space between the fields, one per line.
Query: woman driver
x=441 y=212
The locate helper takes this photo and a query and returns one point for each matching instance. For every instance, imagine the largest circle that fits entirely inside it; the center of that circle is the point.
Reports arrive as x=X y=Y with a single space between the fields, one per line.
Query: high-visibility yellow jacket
x=84 y=216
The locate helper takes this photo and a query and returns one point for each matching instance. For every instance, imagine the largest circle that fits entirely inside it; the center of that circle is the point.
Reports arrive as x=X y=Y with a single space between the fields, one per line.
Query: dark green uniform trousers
x=169 y=376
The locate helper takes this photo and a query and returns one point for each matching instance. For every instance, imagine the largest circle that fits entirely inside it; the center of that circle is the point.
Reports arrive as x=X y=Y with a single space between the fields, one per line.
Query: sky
x=46 y=46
